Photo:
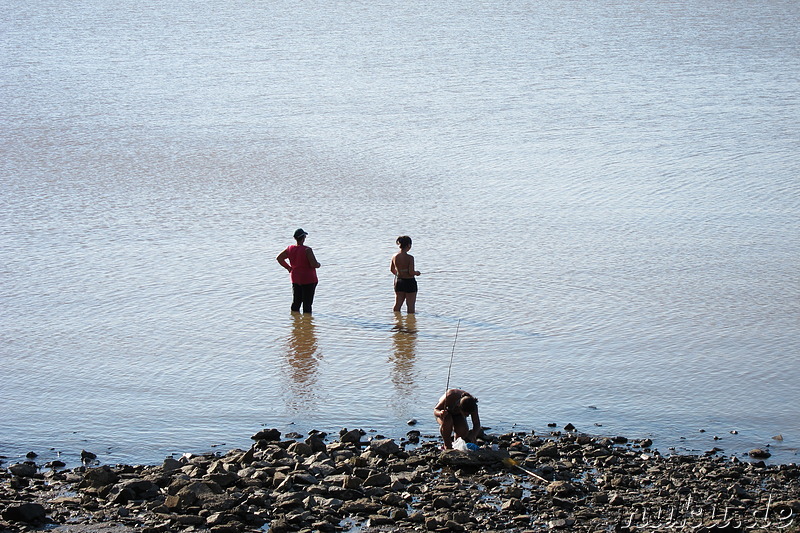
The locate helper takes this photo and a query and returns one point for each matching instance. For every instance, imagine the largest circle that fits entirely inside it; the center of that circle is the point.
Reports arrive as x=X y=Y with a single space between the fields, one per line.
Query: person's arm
x=392 y=267
x=311 y=259
x=476 y=430
x=411 y=267
x=282 y=260
x=440 y=411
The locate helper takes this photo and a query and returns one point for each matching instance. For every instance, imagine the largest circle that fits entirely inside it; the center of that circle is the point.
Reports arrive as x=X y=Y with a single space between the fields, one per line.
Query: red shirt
x=302 y=271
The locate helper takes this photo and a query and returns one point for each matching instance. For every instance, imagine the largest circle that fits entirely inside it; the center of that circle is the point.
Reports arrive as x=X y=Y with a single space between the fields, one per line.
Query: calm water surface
x=603 y=197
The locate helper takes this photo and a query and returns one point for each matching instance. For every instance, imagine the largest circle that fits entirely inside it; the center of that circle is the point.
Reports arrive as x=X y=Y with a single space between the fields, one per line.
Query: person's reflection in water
x=303 y=355
x=405 y=351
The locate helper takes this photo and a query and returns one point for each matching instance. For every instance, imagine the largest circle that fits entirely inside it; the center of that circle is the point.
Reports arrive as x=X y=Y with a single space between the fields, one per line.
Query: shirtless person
x=405 y=285
x=451 y=414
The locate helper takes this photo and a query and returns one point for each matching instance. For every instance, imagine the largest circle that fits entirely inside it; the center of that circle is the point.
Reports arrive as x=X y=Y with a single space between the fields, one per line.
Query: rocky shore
x=563 y=481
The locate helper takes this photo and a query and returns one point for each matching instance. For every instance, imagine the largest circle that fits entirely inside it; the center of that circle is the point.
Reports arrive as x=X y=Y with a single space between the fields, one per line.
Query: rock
x=197 y=491
x=384 y=447
x=267 y=434
x=362 y=506
x=758 y=453
x=378 y=479
x=301 y=448
x=173 y=501
x=290 y=499
x=23 y=469
x=316 y=443
x=30 y=513
x=548 y=450
x=480 y=457
x=87 y=457
x=616 y=500
x=513 y=504
x=353 y=436
x=171 y=465
x=561 y=488
x=98 y=477
x=740 y=492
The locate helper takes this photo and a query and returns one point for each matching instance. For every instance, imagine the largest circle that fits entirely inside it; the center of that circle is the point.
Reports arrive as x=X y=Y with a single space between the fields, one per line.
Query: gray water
x=603 y=197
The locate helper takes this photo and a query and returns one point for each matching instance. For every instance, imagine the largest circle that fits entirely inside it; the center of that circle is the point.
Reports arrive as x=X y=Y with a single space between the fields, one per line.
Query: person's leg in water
x=411 y=302
x=399 y=298
x=297 y=297
x=308 y=296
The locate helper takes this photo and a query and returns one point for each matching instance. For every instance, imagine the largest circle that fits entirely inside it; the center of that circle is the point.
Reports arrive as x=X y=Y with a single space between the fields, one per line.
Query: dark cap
x=299 y=233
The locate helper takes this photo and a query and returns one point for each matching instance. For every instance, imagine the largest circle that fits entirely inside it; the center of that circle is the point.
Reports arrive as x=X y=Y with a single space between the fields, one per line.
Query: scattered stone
x=170 y=465
x=561 y=482
x=548 y=450
x=561 y=488
x=87 y=457
x=384 y=447
x=353 y=436
x=267 y=434
x=758 y=453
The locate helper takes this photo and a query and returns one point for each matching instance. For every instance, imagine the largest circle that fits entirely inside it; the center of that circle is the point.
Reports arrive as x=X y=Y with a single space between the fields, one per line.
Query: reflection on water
x=615 y=182
x=303 y=355
x=404 y=352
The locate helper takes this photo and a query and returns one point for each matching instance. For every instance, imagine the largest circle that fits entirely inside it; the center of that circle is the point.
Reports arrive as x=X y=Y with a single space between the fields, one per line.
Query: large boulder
x=23 y=469
x=30 y=513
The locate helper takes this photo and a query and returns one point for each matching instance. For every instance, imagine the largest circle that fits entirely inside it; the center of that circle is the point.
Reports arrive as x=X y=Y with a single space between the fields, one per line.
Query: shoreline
x=723 y=442
x=356 y=481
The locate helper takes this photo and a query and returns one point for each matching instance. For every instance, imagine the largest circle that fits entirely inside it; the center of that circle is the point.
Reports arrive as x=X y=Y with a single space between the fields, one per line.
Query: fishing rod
x=452 y=353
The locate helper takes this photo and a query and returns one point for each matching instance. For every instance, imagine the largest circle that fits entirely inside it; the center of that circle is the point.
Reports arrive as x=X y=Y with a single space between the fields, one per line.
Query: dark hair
x=403 y=241
x=468 y=404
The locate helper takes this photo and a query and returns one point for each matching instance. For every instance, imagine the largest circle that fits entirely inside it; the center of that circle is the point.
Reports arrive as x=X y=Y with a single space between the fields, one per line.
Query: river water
x=604 y=199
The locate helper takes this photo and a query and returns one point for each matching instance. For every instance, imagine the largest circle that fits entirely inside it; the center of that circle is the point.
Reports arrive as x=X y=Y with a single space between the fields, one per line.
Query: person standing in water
x=451 y=413
x=405 y=284
x=302 y=268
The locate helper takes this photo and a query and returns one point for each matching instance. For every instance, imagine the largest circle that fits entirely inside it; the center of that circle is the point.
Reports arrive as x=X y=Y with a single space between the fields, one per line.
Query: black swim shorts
x=405 y=285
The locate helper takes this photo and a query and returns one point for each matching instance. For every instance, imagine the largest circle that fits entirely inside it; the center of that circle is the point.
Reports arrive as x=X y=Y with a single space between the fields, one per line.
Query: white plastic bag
x=459 y=444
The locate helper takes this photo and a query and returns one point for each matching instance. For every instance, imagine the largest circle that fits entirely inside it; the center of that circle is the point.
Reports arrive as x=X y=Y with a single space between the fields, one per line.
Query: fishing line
x=452 y=353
